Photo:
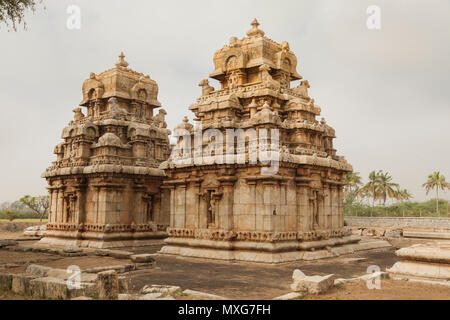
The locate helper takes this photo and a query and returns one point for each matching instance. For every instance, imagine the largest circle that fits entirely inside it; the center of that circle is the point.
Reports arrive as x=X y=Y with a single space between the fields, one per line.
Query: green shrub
x=11 y=215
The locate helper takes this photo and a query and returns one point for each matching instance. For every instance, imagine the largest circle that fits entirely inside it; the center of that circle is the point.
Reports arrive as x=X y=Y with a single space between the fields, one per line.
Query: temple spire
x=254 y=31
x=122 y=62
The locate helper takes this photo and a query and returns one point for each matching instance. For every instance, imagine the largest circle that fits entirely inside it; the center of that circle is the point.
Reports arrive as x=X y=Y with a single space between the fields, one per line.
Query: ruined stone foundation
x=105 y=184
x=240 y=209
x=429 y=262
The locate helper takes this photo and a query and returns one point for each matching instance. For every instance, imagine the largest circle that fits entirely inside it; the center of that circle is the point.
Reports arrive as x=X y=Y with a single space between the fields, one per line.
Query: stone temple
x=242 y=210
x=105 y=184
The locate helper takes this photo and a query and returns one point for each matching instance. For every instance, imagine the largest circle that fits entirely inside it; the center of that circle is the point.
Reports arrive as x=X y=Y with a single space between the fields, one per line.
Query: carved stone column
x=225 y=209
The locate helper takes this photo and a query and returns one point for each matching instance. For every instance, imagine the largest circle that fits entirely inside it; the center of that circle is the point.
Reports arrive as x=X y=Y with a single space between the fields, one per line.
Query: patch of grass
x=340 y=286
x=180 y=293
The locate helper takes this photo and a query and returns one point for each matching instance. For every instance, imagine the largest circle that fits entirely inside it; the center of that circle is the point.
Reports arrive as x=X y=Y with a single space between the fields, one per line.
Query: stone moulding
x=104 y=168
x=229 y=235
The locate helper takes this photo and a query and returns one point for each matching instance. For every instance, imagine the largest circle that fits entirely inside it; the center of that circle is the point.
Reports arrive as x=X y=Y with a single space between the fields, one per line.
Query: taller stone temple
x=237 y=211
x=105 y=183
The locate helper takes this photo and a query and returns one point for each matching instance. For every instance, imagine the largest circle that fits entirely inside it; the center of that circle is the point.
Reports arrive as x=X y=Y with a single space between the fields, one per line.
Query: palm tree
x=386 y=188
x=403 y=194
x=353 y=179
x=371 y=187
x=351 y=189
x=435 y=181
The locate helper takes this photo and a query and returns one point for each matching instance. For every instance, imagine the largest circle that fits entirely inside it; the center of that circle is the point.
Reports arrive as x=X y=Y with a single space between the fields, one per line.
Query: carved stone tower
x=105 y=184
x=234 y=207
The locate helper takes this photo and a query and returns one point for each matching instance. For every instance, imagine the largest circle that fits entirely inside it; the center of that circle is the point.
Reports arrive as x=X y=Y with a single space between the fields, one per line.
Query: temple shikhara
x=236 y=211
x=105 y=183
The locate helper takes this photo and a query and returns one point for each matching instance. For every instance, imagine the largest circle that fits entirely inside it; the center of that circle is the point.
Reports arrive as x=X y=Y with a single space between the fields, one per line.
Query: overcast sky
x=386 y=92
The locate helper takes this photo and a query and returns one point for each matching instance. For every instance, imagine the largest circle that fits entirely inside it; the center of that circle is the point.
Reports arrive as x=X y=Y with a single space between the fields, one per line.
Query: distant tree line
x=369 y=199
x=27 y=207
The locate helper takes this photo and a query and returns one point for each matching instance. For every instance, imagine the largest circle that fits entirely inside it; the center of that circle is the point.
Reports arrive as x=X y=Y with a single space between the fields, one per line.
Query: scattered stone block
x=141 y=258
x=118 y=268
x=124 y=284
x=371 y=276
x=21 y=283
x=72 y=249
x=11 y=265
x=342 y=281
x=311 y=284
x=5 y=281
x=7 y=243
x=150 y=296
x=108 y=285
x=55 y=288
x=368 y=232
x=120 y=254
x=298 y=274
x=160 y=289
x=102 y=252
x=37 y=270
x=396 y=233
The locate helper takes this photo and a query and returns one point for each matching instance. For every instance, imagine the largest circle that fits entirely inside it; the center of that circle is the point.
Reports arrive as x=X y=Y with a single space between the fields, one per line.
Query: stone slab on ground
x=313 y=284
x=55 y=288
x=102 y=252
x=120 y=254
x=38 y=270
x=438 y=252
x=429 y=261
x=426 y=234
x=121 y=268
x=7 y=242
x=420 y=270
x=155 y=288
x=141 y=258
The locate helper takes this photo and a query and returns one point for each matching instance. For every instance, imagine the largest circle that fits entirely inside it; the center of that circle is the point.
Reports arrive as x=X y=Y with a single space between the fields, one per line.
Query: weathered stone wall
x=399 y=222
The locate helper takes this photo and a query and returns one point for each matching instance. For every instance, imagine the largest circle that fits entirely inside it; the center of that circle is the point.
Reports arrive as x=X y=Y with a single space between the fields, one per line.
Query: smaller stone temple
x=105 y=183
x=237 y=207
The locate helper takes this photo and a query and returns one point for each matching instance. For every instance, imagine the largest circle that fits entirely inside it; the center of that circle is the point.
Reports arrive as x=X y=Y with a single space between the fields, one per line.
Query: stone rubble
x=311 y=284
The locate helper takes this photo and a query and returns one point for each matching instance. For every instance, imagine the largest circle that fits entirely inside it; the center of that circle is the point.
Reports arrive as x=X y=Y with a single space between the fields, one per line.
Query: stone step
x=426 y=235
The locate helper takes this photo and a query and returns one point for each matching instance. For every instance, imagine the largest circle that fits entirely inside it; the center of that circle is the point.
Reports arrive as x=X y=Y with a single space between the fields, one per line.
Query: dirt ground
x=239 y=280
x=12 y=235
x=390 y=290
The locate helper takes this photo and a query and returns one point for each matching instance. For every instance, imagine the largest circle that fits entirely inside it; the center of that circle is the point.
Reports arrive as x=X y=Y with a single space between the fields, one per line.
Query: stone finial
x=285 y=46
x=254 y=31
x=122 y=62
